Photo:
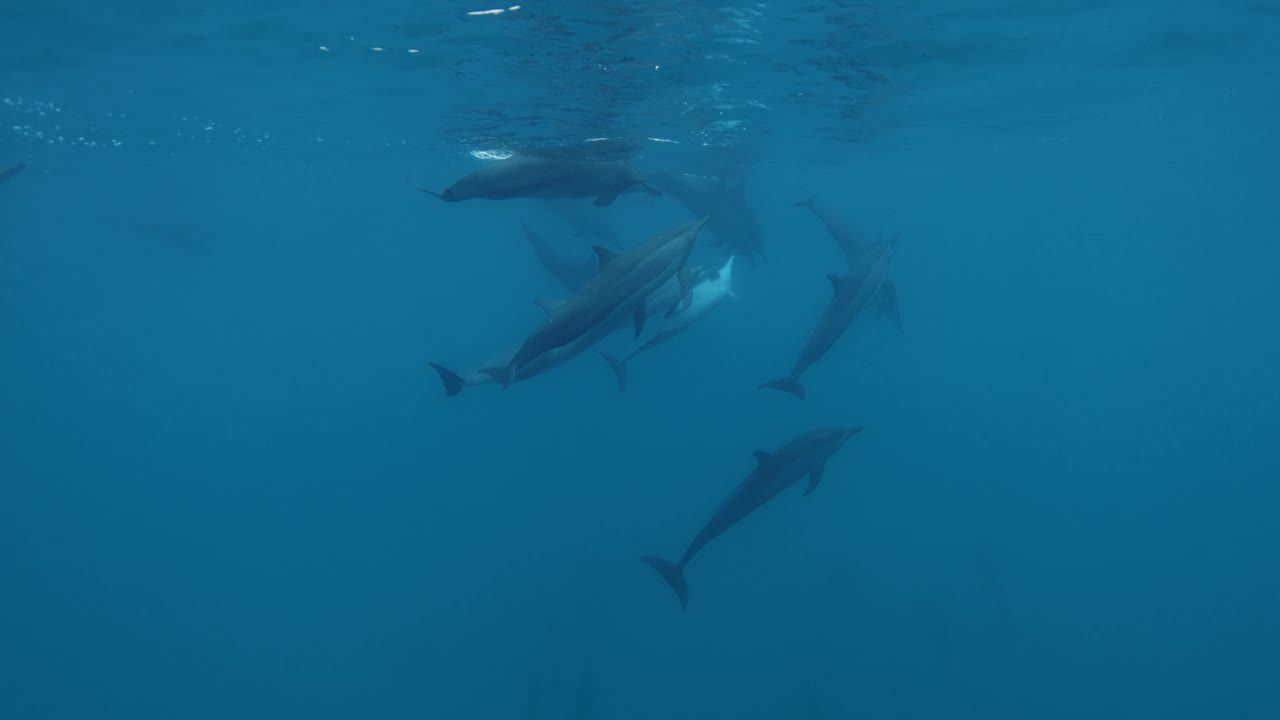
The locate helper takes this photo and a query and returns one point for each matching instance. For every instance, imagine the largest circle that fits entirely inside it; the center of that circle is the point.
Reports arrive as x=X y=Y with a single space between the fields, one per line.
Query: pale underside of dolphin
x=713 y=287
x=805 y=455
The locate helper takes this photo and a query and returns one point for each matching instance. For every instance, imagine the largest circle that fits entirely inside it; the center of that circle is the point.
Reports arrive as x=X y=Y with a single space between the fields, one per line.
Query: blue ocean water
x=231 y=486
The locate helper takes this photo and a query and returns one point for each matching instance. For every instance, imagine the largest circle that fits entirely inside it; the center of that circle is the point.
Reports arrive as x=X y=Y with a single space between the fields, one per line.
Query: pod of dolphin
x=610 y=289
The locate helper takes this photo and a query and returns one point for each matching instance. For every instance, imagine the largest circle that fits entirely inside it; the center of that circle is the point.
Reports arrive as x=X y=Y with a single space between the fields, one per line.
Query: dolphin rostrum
x=619 y=289
x=774 y=472
x=850 y=295
x=713 y=288
x=571 y=273
x=10 y=172
x=854 y=247
x=539 y=175
x=732 y=219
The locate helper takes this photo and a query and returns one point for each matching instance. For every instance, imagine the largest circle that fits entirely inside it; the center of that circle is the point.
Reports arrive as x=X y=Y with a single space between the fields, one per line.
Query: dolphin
x=712 y=288
x=543 y=175
x=571 y=273
x=850 y=295
x=774 y=472
x=10 y=172
x=617 y=290
x=588 y=224
x=732 y=220
x=853 y=247
x=661 y=299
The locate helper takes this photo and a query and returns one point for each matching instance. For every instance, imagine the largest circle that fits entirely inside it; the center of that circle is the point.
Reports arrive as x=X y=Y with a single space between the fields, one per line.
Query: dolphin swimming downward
x=804 y=455
x=854 y=247
x=850 y=295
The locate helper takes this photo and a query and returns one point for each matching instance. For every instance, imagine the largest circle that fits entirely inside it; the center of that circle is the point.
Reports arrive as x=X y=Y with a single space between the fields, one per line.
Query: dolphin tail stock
x=453 y=382
x=787 y=384
x=673 y=574
x=619 y=368
x=501 y=374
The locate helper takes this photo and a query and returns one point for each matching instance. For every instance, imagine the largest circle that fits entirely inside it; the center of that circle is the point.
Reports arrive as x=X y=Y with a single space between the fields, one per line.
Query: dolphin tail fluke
x=787 y=384
x=619 y=368
x=673 y=574
x=453 y=382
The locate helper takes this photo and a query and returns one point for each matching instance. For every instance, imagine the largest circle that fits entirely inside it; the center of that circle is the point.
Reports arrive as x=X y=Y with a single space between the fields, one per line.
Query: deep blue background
x=231 y=487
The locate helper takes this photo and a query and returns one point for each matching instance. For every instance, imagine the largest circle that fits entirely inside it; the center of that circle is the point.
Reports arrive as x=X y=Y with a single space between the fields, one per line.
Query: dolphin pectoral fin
x=605 y=200
x=425 y=190
x=806 y=203
x=815 y=477
x=674 y=576
x=638 y=317
x=604 y=256
x=501 y=374
x=453 y=382
x=687 y=280
x=887 y=303
x=650 y=189
x=786 y=384
x=548 y=305
x=836 y=282
x=619 y=368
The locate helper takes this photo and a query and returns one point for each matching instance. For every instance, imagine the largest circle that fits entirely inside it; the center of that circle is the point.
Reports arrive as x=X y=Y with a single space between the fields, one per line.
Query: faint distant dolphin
x=588 y=223
x=712 y=288
x=854 y=247
x=804 y=455
x=732 y=219
x=619 y=289
x=571 y=273
x=10 y=172
x=537 y=175
x=850 y=294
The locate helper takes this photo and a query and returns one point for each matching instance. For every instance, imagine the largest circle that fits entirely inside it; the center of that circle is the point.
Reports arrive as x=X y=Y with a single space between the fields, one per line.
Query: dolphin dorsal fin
x=762 y=457
x=548 y=305
x=604 y=256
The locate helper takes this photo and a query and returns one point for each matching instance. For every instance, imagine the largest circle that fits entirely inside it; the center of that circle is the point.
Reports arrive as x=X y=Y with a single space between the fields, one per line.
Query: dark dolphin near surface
x=545 y=175
x=619 y=289
x=854 y=247
x=850 y=295
x=9 y=172
x=774 y=472
x=731 y=218
x=713 y=287
x=571 y=272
